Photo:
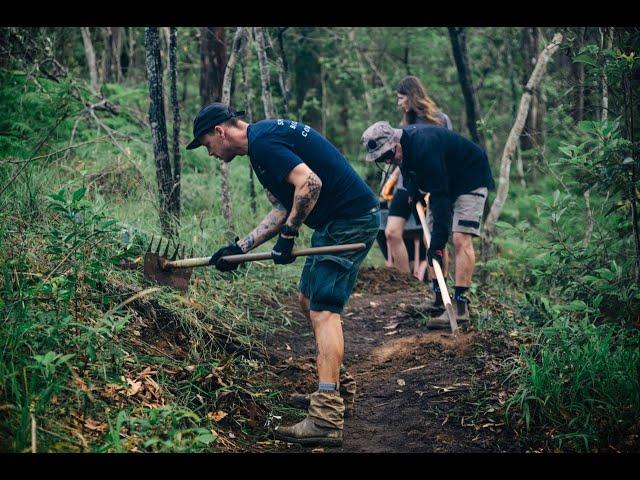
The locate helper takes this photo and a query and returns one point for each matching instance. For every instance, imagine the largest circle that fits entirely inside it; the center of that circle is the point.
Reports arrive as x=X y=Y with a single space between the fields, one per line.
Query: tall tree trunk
x=116 y=52
x=516 y=130
x=175 y=109
x=91 y=58
x=227 y=207
x=264 y=72
x=213 y=55
x=159 y=128
x=324 y=102
x=459 y=47
x=131 y=52
x=281 y=73
x=514 y=111
x=532 y=135
x=578 y=78
x=248 y=97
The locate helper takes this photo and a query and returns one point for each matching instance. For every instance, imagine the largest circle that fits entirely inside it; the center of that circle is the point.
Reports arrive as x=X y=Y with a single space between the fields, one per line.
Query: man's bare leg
x=327 y=329
x=397 y=248
x=465 y=258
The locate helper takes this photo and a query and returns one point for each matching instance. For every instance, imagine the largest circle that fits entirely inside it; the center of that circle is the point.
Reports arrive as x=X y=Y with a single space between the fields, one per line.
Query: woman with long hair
x=416 y=107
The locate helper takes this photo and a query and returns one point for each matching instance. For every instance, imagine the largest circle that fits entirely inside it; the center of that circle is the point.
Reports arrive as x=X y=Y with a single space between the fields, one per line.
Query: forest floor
x=414 y=386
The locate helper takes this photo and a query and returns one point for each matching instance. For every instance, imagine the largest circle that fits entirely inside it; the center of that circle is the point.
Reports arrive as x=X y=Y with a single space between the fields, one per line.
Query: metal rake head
x=158 y=267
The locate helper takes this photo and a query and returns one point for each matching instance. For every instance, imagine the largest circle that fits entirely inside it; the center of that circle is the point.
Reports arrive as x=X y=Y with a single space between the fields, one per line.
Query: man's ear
x=219 y=130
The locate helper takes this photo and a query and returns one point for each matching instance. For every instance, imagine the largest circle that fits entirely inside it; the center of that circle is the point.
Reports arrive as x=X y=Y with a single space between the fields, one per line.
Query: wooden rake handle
x=251 y=257
x=422 y=213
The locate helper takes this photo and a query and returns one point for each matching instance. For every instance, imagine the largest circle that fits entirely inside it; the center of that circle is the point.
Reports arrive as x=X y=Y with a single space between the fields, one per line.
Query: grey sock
x=327 y=387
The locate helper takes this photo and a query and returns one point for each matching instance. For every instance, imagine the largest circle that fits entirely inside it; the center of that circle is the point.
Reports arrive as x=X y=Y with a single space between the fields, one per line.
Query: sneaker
x=308 y=433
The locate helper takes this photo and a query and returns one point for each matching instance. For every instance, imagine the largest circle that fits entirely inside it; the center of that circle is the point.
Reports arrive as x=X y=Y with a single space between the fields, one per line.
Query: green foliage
x=581 y=381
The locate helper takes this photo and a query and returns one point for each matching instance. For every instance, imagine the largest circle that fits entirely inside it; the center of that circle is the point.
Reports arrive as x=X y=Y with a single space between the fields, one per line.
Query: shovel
x=422 y=213
x=176 y=273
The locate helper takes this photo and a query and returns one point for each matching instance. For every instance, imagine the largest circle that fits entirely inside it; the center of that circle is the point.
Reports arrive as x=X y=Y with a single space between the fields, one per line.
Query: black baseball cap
x=207 y=118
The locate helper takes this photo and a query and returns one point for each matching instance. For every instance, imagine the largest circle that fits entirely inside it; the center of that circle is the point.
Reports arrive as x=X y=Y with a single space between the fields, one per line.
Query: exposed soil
x=413 y=384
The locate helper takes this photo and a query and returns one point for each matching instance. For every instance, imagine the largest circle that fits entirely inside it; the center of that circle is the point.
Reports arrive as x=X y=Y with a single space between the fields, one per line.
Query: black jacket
x=446 y=165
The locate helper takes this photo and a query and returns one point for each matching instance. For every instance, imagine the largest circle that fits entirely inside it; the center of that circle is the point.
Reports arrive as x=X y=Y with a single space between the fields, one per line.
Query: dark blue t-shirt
x=278 y=146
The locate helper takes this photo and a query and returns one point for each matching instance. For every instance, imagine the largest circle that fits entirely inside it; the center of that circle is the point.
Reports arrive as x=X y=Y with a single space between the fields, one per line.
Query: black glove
x=437 y=254
x=281 y=252
x=223 y=266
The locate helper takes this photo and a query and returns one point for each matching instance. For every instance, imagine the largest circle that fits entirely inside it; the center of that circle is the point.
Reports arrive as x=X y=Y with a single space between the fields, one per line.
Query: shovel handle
x=446 y=299
x=251 y=257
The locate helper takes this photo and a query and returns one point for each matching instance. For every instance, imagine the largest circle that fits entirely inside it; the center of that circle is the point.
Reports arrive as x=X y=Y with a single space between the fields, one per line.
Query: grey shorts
x=467 y=212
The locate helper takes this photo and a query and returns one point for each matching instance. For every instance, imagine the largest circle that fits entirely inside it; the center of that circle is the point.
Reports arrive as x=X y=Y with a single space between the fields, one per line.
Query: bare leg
x=465 y=258
x=327 y=329
x=397 y=249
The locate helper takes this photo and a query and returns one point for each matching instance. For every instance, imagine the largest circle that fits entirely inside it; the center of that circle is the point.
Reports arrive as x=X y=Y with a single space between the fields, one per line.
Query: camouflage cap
x=378 y=139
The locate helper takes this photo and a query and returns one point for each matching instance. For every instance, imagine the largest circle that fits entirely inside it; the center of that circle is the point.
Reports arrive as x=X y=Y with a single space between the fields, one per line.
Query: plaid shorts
x=328 y=280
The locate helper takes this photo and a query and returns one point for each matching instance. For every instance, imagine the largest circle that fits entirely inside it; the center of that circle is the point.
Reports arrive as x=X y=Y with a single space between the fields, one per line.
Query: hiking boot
x=462 y=316
x=322 y=426
x=347 y=391
x=307 y=433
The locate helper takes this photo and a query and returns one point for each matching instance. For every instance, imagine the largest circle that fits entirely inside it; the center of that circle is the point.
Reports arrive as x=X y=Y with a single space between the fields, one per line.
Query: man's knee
x=462 y=242
x=393 y=235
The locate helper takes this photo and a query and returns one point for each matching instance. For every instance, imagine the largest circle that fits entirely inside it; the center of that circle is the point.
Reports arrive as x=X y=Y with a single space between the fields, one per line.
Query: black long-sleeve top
x=446 y=165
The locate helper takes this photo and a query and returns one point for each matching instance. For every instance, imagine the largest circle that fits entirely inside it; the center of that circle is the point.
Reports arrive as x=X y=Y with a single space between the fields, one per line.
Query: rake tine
x=175 y=254
x=166 y=250
x=158 y=249
x=151 y=243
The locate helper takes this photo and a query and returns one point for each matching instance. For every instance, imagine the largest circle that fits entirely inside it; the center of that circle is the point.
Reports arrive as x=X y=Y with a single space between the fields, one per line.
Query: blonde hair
x=420 y=104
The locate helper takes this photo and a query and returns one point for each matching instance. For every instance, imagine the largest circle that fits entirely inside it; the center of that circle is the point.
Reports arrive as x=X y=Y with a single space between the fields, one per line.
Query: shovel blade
x=176 y=278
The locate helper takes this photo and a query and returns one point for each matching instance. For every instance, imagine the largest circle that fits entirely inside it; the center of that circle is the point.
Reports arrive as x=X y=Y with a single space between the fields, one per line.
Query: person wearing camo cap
x=456 y=173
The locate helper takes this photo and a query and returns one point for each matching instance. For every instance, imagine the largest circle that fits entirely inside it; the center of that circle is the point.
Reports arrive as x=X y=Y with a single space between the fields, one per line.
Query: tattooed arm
x=307 y=190
x=268 y=228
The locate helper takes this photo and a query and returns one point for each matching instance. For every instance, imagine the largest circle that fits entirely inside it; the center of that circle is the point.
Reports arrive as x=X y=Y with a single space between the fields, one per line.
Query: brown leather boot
x=323 y=425
x=462 y=316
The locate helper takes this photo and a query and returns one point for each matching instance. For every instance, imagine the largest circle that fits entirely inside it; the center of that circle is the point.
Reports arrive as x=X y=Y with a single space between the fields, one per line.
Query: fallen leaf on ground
x=401 y=382
x=216 y=416
x=94 y=425
x=374 y=304
x=391 y=326
x=392 y=332
x=134 y=387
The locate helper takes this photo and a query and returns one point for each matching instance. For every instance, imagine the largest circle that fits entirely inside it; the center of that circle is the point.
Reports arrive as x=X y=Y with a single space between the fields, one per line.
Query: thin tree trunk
x=367 y=96
x=516 y=130
x=264 y=72
x=578 y=72
x=248 y=97
x=281 y=71
x=173 y=74
x=459 y=47
x=213 y=55
x=532 y=132
x=132 y=52
x=514 y=97
x=159 y=128
x=91 y=58
x=227 y=207
x=116 y=51
x=324 y=102
x=284 y=71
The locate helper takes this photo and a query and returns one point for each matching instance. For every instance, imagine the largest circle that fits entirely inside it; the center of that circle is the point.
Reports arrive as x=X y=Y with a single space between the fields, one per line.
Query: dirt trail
x=413 y=384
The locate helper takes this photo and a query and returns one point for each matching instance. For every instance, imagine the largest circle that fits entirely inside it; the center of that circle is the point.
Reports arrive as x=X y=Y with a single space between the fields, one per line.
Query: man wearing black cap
x=308 y=181
x=456 y=173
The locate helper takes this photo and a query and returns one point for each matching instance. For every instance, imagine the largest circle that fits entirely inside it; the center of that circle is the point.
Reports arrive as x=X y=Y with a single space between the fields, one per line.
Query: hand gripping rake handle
x=422 y=213
x=251 y=257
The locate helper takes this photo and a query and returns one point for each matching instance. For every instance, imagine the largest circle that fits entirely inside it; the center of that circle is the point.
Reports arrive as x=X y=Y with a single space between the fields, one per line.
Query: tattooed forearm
x=267 y=229
x=304 y=199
